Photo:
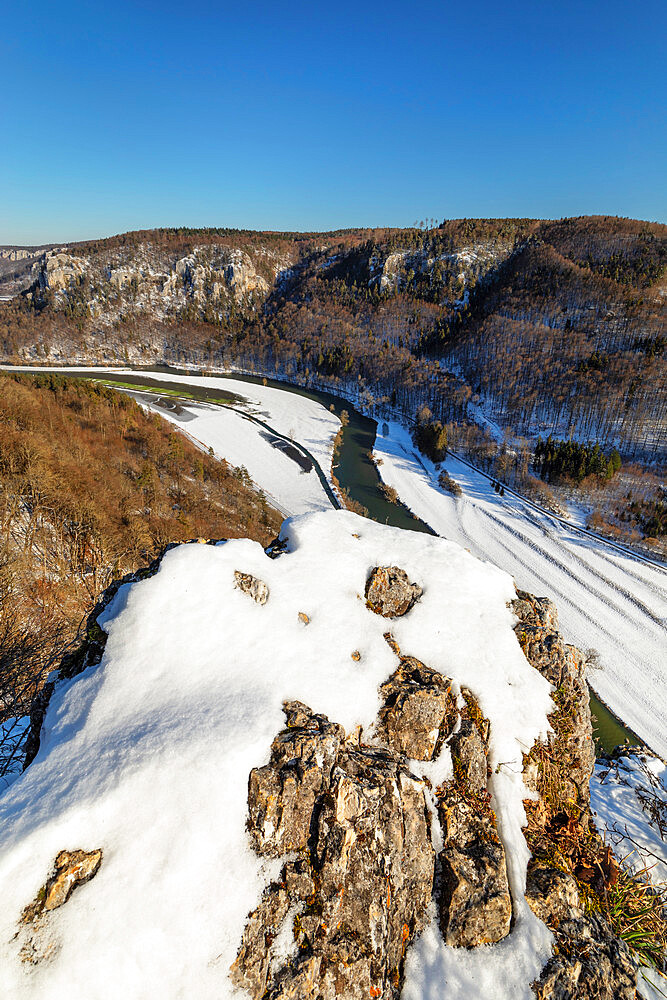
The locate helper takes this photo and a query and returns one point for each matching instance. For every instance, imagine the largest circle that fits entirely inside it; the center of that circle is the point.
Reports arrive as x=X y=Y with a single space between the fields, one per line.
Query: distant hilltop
x=551 y=326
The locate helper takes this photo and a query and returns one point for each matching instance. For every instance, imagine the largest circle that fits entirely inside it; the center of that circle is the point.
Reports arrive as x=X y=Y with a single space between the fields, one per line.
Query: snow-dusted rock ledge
x=236 y=753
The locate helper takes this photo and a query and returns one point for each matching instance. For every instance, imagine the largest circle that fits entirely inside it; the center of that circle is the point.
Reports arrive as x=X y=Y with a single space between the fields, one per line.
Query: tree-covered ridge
x=92 y=487
x=474 y=311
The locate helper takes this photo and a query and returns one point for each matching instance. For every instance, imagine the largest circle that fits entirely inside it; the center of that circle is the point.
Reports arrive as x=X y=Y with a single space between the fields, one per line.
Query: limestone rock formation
x=475 y=901
x=282 y=794
x=552 y=894
x=565 y=667
x=419 y=710
x=591 y=963
x=390 y=593
x=469 y=757
x=360 y=890
x=71 y=869
x=474 y=896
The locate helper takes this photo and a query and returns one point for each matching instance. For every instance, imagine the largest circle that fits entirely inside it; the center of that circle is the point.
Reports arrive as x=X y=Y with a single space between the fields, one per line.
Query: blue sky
x=118 y=115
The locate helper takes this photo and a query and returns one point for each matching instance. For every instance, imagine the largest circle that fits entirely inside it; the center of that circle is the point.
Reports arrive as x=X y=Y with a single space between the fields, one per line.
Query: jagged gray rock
x=591 y=964
x=360 y=890
x=552 y=894
x=469 y=756
x=282 y=794
x=389 y=592
x=564 y=666
x=419 y=710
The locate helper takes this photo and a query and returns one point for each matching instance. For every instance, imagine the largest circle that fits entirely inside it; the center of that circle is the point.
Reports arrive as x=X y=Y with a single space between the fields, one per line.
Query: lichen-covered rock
x=374 y=854
x=591 y=964
x=560 y=771
x=252 y=968
x=361 y=888
x=389 y=592
x=251 y=586
x=282 y=794
x=475 y=901
x=535 y=610
x=552 y=894
x=70 y=869
x=469 y=757
x=419 y=710
x=73 y=868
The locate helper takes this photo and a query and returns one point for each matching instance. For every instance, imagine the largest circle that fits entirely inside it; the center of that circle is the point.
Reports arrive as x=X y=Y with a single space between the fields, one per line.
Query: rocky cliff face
x=208 y=281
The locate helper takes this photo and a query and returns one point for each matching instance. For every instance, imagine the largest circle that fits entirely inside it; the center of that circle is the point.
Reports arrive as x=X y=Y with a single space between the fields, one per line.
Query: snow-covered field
x=291 y=414
x=242 y=442
x=629 y=802
x=606 y=600
x=147 y=756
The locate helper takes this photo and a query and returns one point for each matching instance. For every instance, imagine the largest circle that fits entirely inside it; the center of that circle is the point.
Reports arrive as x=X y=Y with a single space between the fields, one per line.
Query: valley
x=611 y=601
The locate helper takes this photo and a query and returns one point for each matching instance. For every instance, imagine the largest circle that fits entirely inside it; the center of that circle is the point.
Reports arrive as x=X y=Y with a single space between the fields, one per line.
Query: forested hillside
x=553 y=327
x=91 y=488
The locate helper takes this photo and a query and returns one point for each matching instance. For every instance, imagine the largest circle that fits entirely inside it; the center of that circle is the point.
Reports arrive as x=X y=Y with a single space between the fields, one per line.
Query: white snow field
x=242 y=442
x=618 y=789
x=606 y=600
x=291 y=414
x=147 y=755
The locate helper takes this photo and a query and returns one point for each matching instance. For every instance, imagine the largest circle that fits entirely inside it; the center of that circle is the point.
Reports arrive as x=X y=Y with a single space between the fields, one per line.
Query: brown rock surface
x=475 y=901
x=389 y=592
x=552 y=894
x=591 y=964
x=360 y=889
x=419 y=710
x=282 y=794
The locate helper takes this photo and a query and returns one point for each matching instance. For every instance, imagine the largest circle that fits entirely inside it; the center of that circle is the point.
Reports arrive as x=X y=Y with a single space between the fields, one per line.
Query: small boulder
x=251 y=586
x=591 y=964
x=552 y=895
x=419 y=710
x=469 y=757
x=73 y=868
x=70 y=869
x=389 y=592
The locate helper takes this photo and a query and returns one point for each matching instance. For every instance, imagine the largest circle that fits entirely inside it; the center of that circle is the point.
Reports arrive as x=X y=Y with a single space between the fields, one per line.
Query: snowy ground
x=242 y=442
x=147 y=756
x=606 y=600
x=629 y=802
x=305 y=420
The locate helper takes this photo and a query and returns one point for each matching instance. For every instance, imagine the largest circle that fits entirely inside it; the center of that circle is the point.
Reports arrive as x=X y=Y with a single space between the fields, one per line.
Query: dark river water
x=359 y=476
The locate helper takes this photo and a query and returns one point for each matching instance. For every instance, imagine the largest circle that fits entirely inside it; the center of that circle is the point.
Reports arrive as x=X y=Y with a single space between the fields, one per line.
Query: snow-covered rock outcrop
x=224 y=796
